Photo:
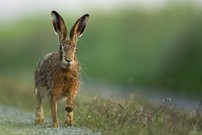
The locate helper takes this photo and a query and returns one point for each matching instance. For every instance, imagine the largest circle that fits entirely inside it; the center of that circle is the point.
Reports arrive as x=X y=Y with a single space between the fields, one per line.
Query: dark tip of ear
x=53 y=12
x=86 y=15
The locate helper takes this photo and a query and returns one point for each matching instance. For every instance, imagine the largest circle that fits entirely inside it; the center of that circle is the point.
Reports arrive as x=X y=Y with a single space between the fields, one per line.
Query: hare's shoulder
x=50 y=57
x=48 y=60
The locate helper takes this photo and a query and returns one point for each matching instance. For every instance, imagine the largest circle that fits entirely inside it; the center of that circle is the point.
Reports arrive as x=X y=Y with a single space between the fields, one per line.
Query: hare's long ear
x=79 y=27
x=59 y=25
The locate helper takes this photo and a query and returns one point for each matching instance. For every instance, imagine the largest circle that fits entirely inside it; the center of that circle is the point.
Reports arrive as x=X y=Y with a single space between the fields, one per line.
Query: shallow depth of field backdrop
x=145 y=45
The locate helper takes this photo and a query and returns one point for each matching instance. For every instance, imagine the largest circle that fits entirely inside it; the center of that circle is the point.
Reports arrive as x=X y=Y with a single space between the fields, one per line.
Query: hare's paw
x=39 y=121
x=56 y=125
x=69 y=122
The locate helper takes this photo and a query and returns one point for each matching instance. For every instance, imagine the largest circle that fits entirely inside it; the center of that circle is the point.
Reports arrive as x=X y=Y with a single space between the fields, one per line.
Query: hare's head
x=68 y=45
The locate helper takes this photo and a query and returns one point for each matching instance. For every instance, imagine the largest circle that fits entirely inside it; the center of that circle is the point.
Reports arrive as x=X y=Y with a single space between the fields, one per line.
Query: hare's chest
x=63 y=86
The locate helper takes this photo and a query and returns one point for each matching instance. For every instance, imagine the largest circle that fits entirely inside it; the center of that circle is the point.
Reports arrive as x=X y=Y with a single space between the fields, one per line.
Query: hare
x=57 y=74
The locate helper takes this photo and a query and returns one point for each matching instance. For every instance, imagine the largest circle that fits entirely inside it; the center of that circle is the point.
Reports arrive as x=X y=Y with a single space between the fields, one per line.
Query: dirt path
x=16 y=122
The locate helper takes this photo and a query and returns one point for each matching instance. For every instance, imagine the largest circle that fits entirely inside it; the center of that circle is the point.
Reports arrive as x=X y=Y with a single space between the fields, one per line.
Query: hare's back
x=44 y=69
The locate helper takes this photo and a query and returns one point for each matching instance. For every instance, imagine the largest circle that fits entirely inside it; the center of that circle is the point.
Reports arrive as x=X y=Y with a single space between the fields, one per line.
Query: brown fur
x=57 y=74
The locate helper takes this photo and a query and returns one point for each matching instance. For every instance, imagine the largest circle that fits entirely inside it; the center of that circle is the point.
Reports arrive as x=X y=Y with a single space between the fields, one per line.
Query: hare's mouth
x=66 y=65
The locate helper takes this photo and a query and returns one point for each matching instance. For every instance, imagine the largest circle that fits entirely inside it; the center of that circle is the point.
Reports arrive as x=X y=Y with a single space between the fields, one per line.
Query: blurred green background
x=131 y=47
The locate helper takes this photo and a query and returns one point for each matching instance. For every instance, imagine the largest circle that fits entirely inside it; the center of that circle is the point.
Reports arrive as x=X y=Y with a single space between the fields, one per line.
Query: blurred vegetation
x=133 y=47
x=159 y=49
x=135 y=117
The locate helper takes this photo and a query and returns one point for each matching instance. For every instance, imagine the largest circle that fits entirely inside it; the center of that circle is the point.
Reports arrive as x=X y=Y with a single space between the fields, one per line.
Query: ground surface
x=16 y=122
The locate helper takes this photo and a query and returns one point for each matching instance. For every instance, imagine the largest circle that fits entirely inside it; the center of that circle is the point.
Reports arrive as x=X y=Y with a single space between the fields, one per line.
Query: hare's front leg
x=69 y=109
x=39 y=109
x=53 y=105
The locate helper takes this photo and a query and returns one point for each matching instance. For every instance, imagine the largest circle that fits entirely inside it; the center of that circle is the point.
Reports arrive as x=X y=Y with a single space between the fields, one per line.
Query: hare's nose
x=68 y=60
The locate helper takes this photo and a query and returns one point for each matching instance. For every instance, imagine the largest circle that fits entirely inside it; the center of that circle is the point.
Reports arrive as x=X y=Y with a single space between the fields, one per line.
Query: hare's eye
x=76 y=48
x=60 y=47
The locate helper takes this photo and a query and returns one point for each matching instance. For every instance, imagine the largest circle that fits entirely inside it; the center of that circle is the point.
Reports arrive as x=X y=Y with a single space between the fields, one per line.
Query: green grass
x=134 y=117
x=109 y=116
x=115 y=116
